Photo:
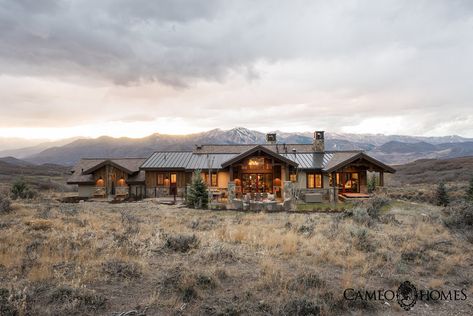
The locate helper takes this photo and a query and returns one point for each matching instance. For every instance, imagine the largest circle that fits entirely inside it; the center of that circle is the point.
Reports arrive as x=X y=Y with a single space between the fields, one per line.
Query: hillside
x=432 y=171
x=10 y=166
x=391 y=149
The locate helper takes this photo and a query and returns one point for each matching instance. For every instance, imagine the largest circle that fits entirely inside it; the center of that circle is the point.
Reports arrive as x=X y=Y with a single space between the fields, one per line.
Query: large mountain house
x=238 y=170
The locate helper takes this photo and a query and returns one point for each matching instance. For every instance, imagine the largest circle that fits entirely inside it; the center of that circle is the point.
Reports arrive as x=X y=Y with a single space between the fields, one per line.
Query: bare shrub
x=220 y=253
x=307 y=281
x=306 y=230
x=130 y=223
x=77 y=299
x=301 y=307
x=12 y=302
x=181 y=243
x=121 y=270
x=5 y=204
x=205 y=281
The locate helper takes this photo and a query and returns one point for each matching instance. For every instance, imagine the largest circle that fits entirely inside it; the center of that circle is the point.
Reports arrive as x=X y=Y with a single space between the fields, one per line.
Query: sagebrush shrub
x=5 y=204
x=459 y=215
x=181 y=243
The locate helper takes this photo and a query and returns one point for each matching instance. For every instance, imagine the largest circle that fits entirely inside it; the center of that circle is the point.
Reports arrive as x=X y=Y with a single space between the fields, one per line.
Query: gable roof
x=343 y=161
x=82 y=172
x=129 y=165
x=258 y=148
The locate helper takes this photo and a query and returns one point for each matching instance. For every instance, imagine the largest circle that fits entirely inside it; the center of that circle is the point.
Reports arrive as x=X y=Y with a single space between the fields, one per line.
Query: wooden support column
x=381 y=178
x=231 y=173
x=334 y=187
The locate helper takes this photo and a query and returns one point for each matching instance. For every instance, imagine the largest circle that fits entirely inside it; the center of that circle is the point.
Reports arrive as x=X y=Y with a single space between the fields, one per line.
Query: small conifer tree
x=197 y=197
x=372 y=183
x=441 y=196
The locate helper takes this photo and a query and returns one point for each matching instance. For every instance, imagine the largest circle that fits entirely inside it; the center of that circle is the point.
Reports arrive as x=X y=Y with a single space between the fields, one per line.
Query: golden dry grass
x=245 y=263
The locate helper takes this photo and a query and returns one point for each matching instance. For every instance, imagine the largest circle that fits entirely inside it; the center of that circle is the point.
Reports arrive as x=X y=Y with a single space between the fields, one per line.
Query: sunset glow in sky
x=133 y=68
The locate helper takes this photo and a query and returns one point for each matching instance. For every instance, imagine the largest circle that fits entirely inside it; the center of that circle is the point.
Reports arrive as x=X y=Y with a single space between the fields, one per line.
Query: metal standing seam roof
x=168 y=160
x=310 y=160
x=327 y=161
x=203 y=161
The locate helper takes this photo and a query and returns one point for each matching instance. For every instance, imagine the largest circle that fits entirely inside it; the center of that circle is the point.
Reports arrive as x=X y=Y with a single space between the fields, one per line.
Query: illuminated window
x=293 y=177
x=121 y=182
x=173 y=178
x=160 y=179
x=310 y=180
x=100 y=183
x=314 y=180
x=213 y=179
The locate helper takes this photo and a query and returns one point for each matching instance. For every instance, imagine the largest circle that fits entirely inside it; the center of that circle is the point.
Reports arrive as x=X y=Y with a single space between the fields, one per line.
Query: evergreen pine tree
x=441 y=195
x=372 y=183
x=469 y=192
x=197 y=197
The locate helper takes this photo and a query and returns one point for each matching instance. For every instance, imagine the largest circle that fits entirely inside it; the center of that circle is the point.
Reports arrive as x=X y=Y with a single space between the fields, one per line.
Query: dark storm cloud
x=177 y=41
x=361 y=58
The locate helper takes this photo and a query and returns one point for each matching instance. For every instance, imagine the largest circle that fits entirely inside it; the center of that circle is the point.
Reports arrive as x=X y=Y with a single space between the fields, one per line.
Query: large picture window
x=213 y=179
x=314 y=181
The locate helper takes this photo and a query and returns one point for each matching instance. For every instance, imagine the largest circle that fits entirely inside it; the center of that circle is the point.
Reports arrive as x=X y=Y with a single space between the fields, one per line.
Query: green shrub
x=372 y=184
x=198 y=196
x=21 y=190
x=441 y=196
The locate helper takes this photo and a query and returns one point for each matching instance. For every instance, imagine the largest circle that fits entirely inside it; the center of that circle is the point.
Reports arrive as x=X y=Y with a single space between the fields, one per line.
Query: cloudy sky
x=134 y=67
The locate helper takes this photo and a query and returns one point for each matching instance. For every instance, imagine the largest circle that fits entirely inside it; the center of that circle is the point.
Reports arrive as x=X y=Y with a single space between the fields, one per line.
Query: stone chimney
x=318 y=145
x=271 y=138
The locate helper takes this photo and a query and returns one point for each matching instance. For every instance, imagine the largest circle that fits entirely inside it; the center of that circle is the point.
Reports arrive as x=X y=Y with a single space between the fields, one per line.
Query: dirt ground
x=104 y=259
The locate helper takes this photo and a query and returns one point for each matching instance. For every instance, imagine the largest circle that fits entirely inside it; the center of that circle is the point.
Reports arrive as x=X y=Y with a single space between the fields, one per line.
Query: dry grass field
x=97 y=258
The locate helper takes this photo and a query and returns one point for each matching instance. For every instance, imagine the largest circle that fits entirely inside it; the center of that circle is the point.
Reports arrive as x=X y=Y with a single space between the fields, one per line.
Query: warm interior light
x=100 y=182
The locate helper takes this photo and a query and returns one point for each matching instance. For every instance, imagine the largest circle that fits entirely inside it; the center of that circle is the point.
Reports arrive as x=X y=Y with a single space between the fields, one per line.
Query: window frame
x=313 y=184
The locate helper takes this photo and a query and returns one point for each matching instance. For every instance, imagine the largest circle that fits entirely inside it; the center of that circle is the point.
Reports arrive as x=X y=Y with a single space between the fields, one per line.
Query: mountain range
x=391 y=149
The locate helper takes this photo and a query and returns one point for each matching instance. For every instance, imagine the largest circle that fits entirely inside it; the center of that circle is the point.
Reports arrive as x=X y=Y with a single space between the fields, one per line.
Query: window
x=293 y=177
x=121 y=182
x=160 y=179
x=173 y=178
x=213 y=178
x=314 y=181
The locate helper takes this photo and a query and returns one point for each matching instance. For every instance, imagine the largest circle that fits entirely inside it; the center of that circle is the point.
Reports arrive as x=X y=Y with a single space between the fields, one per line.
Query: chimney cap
x=319 y=134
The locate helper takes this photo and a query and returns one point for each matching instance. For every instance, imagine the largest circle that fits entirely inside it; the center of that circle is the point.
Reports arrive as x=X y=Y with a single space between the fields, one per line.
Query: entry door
x=173 y=184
